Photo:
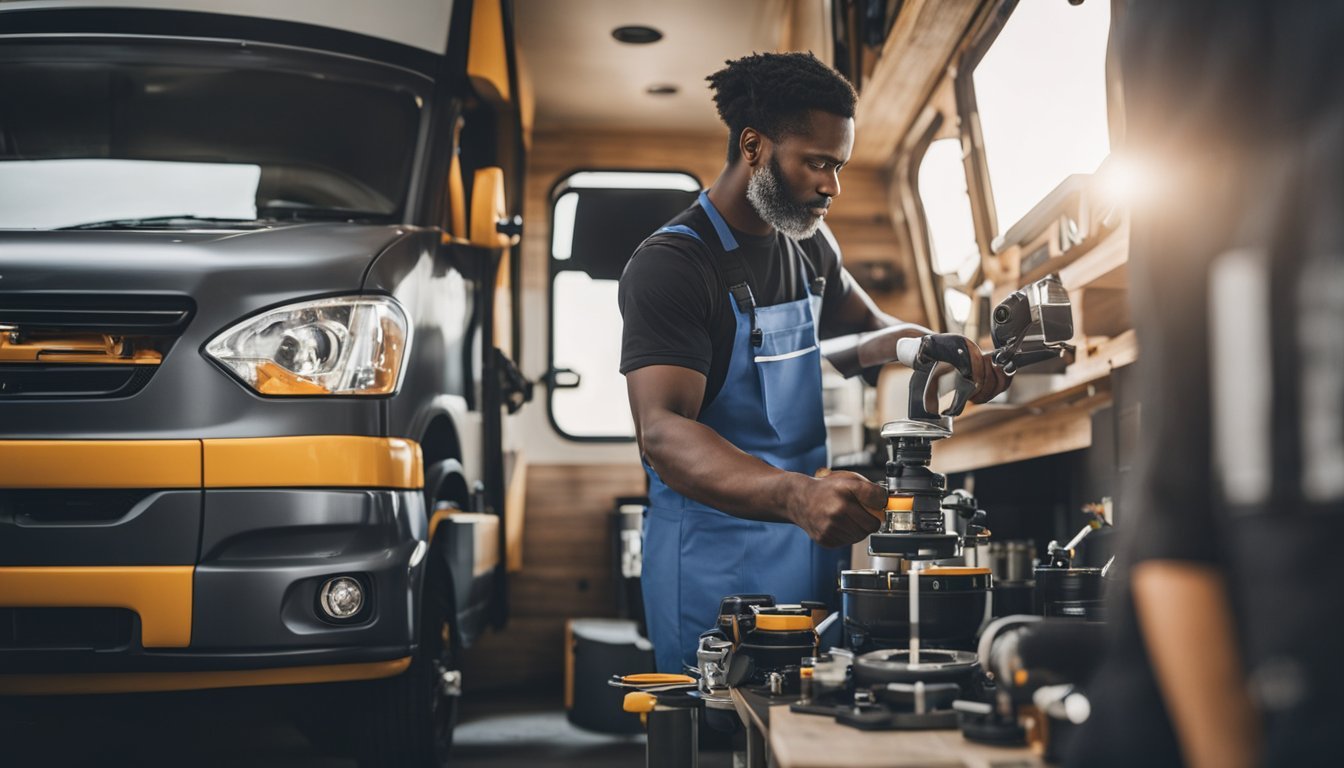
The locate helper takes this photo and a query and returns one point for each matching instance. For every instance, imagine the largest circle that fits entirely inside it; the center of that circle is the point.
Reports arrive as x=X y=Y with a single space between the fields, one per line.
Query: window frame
x=983 y=210
x=553 y=195
x=932 y=126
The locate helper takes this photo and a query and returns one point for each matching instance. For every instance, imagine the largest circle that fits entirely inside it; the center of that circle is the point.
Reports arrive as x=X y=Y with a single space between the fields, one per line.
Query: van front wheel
x=410 y=717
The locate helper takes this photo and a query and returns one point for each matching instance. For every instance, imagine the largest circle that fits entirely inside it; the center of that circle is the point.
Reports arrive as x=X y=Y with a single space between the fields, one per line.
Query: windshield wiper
x=160 y=222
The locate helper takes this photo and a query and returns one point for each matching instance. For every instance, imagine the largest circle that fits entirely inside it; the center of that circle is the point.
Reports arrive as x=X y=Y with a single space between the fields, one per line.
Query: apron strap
x=734 y=268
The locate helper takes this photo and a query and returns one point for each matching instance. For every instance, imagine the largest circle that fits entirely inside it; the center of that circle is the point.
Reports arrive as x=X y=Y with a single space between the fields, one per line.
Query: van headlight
x=346 y=345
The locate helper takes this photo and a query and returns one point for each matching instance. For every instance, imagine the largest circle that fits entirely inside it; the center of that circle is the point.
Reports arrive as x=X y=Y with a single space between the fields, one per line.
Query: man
x=1226 y=652
x=723 y=311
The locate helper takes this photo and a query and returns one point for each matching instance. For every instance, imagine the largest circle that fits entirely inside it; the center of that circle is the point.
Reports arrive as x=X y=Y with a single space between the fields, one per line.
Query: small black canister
x=1069 y=592
x=780 y=636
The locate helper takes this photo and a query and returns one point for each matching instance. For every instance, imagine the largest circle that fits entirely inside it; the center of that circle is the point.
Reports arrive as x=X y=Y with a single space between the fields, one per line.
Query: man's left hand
x=989 y=378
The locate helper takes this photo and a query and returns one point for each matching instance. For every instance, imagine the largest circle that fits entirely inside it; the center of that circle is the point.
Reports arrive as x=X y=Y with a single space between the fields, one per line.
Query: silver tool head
x=934 y=430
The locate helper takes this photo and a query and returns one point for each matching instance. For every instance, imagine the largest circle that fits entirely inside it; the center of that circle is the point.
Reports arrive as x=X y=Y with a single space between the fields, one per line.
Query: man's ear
x=752 y=145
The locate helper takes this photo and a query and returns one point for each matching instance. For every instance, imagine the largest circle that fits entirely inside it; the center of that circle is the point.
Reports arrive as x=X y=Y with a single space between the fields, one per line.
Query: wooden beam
x=914 y=58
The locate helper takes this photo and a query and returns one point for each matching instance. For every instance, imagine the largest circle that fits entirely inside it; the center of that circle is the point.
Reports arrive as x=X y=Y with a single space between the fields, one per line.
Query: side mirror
x=490 y=225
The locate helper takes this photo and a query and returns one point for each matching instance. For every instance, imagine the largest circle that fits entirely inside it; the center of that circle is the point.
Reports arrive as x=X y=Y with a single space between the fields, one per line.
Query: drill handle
x=923 y=355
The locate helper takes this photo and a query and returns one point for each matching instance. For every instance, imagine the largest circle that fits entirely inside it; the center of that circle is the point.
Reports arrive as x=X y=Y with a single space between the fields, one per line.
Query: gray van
x=250 y=411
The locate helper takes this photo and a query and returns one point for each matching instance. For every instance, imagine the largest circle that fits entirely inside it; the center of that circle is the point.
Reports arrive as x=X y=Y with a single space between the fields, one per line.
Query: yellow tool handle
x=638 y=701
x=657 y=678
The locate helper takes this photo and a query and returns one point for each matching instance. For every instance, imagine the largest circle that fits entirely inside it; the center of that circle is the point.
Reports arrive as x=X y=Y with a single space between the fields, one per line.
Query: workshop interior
x=317 y=447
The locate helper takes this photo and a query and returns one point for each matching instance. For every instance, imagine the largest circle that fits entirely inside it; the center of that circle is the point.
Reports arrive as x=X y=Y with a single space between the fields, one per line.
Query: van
x=255 y=337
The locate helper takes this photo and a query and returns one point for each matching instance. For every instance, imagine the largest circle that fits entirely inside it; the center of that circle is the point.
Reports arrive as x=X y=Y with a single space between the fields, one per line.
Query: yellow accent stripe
x=322 y=461
x=100 y=463
x=161 y=595
x=310 y=461
x=143 y=682
x=955 y=570
x=778 y=623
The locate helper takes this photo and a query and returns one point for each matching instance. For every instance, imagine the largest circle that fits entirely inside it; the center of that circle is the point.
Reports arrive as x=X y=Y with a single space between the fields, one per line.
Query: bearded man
x=724 y=309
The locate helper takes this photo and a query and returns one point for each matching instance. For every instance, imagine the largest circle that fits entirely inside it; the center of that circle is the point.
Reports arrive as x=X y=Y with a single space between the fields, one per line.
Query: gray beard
x=766 y=193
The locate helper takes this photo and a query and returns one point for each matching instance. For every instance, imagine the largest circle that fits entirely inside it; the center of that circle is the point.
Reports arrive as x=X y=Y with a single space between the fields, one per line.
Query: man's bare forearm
x=853 y=353
x=1187 y=627
x=698 y=463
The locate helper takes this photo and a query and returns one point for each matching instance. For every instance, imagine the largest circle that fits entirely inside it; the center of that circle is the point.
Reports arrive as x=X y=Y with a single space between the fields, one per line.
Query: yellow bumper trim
x=100 y=463
x=160 y=595
x=146 y=682
x=324 y=461
x=310 y=461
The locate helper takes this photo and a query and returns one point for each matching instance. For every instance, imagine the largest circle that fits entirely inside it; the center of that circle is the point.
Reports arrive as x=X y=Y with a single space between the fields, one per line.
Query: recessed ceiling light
x=637 y=35
x=662 y=89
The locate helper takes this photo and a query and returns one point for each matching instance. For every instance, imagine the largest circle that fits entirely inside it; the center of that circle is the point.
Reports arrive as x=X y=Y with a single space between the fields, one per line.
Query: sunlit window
x=958 y=306
x=1041 y=93
x=947 y=210
x=598 y=219
x=587 y=328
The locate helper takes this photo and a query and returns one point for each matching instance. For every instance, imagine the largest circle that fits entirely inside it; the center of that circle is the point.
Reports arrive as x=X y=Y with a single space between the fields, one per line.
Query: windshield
x=95 y=134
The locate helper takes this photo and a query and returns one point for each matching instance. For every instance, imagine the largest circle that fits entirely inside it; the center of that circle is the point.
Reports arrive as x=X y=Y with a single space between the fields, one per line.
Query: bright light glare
x=562 y=239
x=947 y=209
x=632 y=180
x=1041 y=94
x=1125 y=181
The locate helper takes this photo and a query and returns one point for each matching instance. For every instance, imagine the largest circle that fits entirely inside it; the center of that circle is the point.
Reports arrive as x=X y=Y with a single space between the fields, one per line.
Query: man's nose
x=830 y=186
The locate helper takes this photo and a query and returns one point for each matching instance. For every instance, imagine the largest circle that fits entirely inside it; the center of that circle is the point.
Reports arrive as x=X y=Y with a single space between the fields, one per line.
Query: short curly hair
x=773 y=92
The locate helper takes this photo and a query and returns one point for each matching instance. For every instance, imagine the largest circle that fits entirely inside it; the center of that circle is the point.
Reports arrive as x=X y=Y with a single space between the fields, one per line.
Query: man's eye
x=818 y=165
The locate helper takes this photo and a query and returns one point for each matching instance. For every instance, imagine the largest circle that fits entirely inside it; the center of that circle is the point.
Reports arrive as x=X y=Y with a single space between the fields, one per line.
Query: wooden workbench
x=794 y=740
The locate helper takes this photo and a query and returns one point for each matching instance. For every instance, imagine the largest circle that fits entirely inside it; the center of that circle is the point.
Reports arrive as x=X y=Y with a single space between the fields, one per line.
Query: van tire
x=409 y=719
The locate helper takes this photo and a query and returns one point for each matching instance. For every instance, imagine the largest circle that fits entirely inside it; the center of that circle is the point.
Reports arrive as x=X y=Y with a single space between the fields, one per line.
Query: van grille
x=96 y=629
x=66 y=506
x=85 y=345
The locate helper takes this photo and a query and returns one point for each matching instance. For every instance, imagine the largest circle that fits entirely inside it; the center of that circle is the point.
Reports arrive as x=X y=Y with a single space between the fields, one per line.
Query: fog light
x=342 y=597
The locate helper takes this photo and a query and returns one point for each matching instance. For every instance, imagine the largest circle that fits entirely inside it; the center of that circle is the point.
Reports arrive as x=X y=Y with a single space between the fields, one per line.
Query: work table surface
x=813 y=741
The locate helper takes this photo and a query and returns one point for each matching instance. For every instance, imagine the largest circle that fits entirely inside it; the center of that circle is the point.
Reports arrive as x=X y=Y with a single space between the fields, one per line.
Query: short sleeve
x=666 y=304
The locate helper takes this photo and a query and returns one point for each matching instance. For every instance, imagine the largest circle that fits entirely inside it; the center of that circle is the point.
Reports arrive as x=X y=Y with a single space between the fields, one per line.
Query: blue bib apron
x=770 y=406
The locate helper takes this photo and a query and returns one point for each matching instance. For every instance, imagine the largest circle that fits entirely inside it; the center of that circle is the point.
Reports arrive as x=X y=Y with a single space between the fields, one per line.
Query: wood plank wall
x=567 y=573
x=566 y=553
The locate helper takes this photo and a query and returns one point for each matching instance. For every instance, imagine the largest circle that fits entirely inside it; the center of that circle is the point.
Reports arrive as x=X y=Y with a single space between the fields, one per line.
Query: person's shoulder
x=670 y=268
x=670 y=253
x=666 y=254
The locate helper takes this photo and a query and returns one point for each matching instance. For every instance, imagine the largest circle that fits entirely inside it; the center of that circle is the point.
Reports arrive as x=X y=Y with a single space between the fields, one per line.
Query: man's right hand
x=838 y=508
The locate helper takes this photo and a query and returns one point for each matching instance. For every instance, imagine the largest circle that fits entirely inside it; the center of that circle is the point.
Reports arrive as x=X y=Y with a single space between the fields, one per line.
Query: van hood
x=268 y=265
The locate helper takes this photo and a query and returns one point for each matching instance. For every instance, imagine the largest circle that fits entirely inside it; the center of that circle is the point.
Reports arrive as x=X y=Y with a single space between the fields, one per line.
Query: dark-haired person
x=1225 y=640
x=724 y=308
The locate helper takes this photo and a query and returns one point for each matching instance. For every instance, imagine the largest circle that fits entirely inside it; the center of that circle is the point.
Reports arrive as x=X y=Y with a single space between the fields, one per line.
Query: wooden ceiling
x=584 y=78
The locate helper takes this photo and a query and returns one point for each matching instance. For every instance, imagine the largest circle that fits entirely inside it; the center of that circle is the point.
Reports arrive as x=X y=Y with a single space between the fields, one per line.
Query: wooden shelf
x=1103 y=265
x=1057 y=421
x=1026 y=436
